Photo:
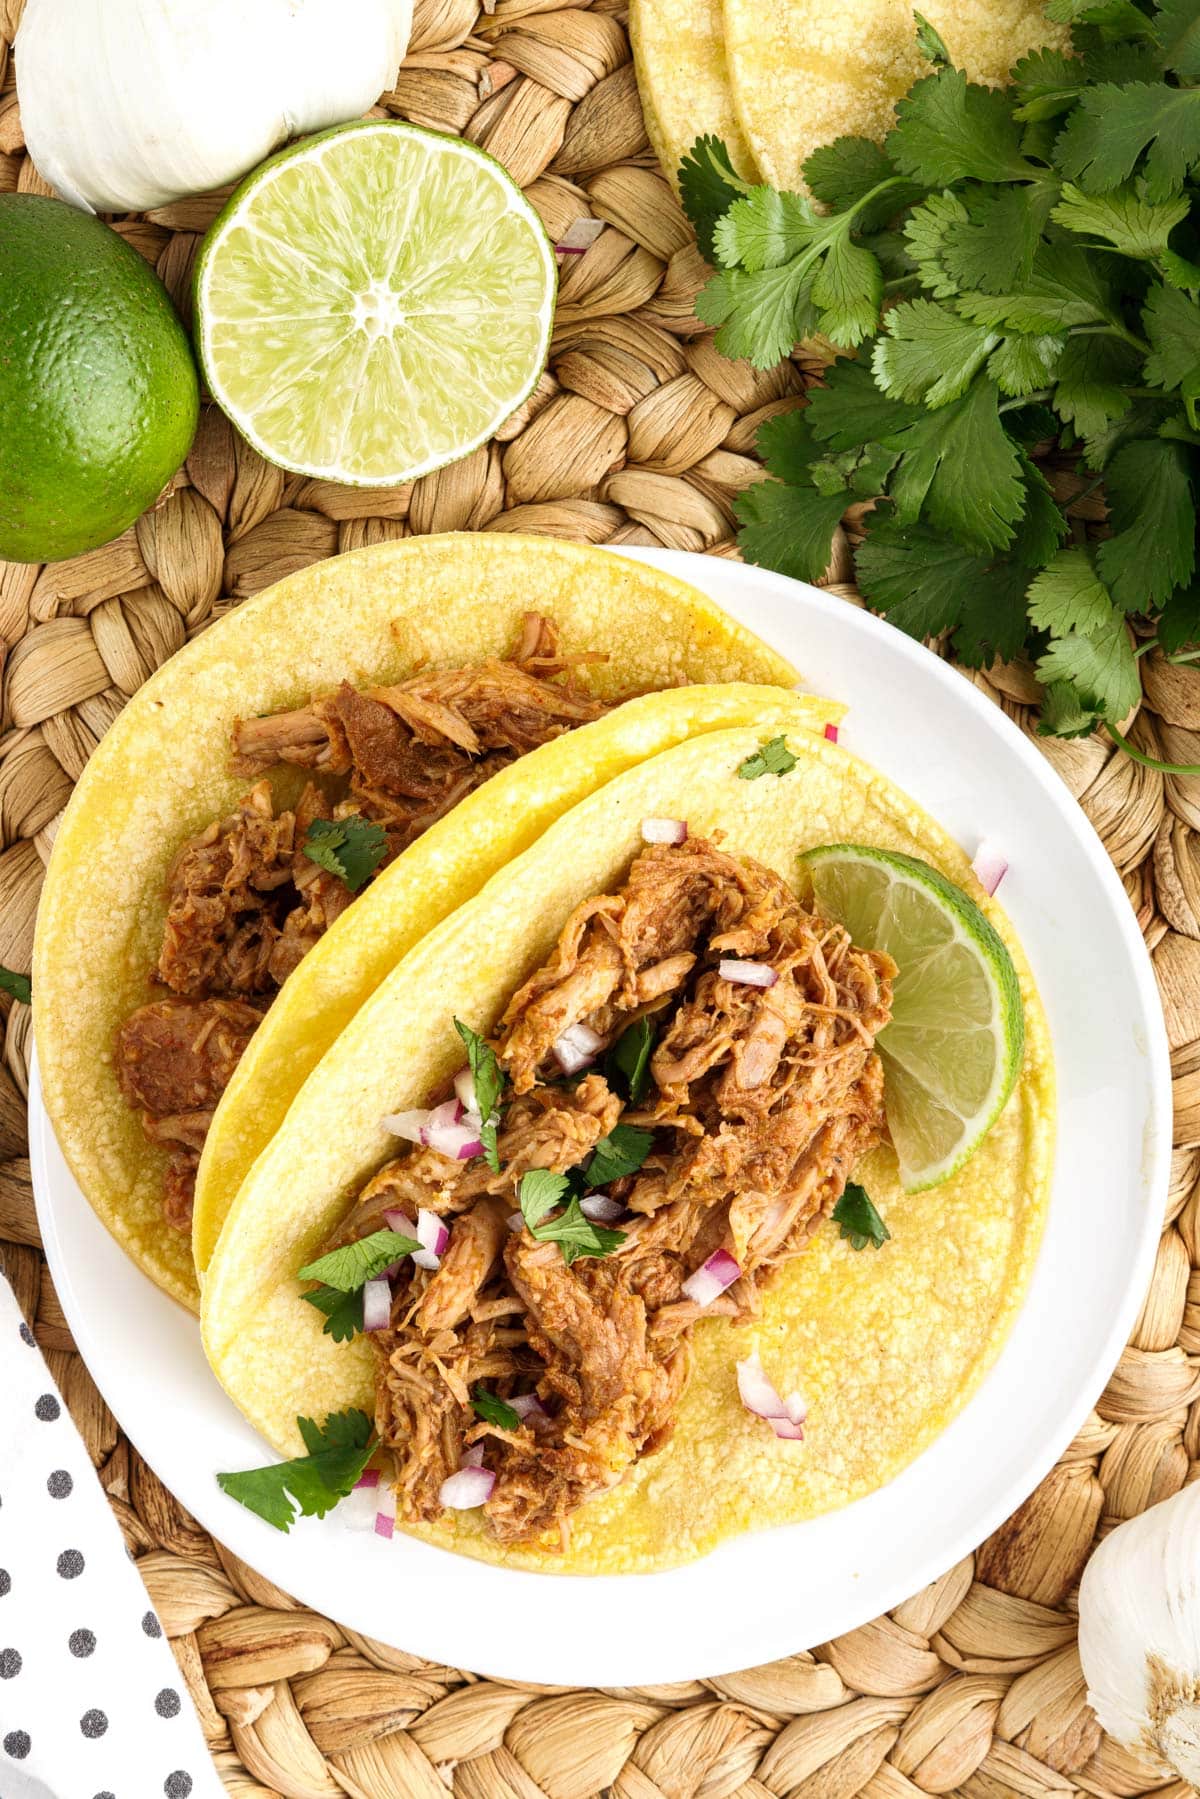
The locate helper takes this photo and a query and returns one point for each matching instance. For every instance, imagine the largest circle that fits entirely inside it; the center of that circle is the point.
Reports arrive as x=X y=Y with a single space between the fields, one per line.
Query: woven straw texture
x=639 y=433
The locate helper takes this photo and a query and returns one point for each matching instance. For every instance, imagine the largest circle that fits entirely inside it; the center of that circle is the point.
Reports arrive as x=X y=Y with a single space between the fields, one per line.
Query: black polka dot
x=47 y=1408
x=151 y=1625
x=5 y=1582
x=93 y=1724
x=10 y=1664
x=59 y=1484
x=81 y=1643
x=166 y=1703
x=27 y=1336
x=18 y=1745
x=177 y=1785
x=104 y=1795
x=70 y=1563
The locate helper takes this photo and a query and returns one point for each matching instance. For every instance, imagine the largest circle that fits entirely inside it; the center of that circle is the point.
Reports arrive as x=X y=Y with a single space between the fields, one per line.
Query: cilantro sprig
x=350 y=848
x=627 y=1064
x=861 y=1223
x=338 y=1452
x=771 y=758
x=488 y=1079
x=18 y=985
x=1017 y=273
x=543 y=1193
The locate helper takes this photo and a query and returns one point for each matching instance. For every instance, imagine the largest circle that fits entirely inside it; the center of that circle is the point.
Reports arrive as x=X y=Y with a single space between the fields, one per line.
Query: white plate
x=769 y=1593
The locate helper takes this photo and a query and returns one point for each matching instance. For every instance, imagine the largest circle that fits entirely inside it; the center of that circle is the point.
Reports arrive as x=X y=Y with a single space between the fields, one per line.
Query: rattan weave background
x=639 y=433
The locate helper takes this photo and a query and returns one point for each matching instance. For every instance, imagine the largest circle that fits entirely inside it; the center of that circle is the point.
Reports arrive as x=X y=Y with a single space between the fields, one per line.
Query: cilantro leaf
x=492 y=1409
x=925 y=583
x=1172 y=323
x=708 y=186
x=349 y=1268
x=1068 y=595
x=929 y=353
x=993 y=621
x=1041 y=527
x=1121 y=18
x=1122 y=218
x=488 y=1078
x=1091 y=651
x=1023 y=364
x=860 y=1222
x=1113 y=127
x=1068 y=286
x=1152 y=514
x=948 y=129
x=1178 y=30
x=351 y=848
x=622 y=1152
x=577 y=1236
x=339 y=1451
x=960 y=468
x=771 y=758
x=1093 y=374
x=758 y=317
x=1179 y=626
x=849 y=411
x=542 y=1192
x=18 y=985
x=789 y=528
x=843 y=173
x=343 y=1311
x=930 y=43
x=1047 y=82
x=629 y=1058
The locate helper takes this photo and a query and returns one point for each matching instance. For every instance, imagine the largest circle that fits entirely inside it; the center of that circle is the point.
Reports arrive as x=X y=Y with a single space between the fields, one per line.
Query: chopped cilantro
x=488 y=1078
x=622 y=1152
x=338 y=1451
x=16 y=984
x=543 y=1192
x=492 y=1409
x=350 y=848
x=349 y=1268
x=343 y=1311
x=860 y=1222
x=771 y=758
x=628 y=1061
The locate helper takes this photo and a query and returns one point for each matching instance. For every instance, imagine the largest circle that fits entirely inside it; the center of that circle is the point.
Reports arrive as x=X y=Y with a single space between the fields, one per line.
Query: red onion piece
x=579 y=236
x=450 y=1134
x=600 y=1208
x=515 y=1221
x=990 y=866
x=577 y=1048
x=464 y=1087
x=385 y=1516
x=746 y=974
x=758 y=1395
x=664 y=830
x=473 y=1457
x=409 y=1125
x=470 y=1487
x=831 y=733
x=528 y=1405
x=377 y=1305
x=369 y=1479
x=432 y=1232
x=358 y=1510
x=720 y=1271
x=400 y=1222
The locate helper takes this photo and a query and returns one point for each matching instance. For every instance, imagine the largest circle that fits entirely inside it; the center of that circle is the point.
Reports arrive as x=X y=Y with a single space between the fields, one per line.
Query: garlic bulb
x=127 y=104
x=1139 y=1633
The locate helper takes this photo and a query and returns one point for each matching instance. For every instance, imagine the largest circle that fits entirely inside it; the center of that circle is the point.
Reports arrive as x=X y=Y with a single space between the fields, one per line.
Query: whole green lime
x=98 y=392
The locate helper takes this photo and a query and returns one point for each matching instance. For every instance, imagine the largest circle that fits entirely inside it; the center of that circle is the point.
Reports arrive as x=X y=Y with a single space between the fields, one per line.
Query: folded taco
x=293 y=799
x=582 y=1200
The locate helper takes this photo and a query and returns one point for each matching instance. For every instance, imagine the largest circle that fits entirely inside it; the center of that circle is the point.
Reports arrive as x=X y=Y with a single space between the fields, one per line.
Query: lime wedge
x=952 y=1052
x=374 y=302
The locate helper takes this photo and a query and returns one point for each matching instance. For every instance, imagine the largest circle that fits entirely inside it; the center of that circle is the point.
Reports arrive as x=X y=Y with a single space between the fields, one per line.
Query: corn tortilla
x=162 y=773
x=683 y=79
x=804 y=72
x=886 y=1346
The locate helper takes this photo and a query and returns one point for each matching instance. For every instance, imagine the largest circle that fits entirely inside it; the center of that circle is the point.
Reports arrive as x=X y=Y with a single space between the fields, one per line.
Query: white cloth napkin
x=92 y=1705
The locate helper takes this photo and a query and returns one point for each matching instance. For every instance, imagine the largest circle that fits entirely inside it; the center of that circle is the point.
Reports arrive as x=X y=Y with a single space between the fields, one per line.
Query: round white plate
x=956 y=753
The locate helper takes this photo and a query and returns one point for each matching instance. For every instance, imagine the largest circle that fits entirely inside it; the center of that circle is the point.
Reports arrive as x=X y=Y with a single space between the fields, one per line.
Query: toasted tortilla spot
x=887 y=1346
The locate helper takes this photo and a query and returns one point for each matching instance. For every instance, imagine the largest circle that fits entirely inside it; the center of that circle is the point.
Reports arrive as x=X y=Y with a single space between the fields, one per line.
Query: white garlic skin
x=1139 y=1633
x=127 y=104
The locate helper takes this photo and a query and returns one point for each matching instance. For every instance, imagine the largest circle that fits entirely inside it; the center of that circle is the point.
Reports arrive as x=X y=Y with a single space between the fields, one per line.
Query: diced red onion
x=369 y=1479
x=409 y=1125
x=357 y=1511
x=746 y=974
x=469 y=1488
x=473 y=1457
x=577 y=1048
x=528 y=1405
x=831 y=733
x=990 y=866
x=385 y=1515
x=464 y=1087
x=664 y=830
x=579 y=236
x=515 y=1222
x=600 y=1208
x=758 y=1395
x=377 y=1305
x=432 y=1232
x=720 y=1271
x=450 y=1134
x=400 y=1222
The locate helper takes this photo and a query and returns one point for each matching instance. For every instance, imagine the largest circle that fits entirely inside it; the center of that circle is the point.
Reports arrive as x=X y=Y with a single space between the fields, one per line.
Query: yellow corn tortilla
x=162 y=773
x=683 y=79
x=887 y=1346
x=804 y=72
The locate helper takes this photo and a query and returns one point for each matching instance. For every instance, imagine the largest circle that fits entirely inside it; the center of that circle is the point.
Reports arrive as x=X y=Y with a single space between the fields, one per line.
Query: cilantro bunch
x=1013 y=278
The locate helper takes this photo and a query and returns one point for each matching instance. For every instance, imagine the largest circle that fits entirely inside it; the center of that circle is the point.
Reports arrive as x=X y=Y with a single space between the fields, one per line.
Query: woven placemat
x=639 y=433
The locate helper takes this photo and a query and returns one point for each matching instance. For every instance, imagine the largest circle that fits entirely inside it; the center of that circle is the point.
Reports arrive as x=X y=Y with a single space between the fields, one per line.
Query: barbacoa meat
x=761 y=1102
x=245 y=903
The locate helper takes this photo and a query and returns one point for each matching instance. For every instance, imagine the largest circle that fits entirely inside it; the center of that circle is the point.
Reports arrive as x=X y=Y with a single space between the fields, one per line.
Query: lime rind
x=368 y=315
x=953 y=1051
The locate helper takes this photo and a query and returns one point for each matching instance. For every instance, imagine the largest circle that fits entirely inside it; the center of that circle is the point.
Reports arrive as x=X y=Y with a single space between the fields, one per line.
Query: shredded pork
x=245 y=903
x=761 y=1102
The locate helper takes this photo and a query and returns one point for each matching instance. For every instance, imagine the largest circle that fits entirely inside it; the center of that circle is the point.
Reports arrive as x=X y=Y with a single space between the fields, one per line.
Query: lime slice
x=374 y=302
x=952 y=1052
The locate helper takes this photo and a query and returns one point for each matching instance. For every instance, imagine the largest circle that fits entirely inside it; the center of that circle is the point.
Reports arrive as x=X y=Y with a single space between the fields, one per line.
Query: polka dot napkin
x=92 y=1705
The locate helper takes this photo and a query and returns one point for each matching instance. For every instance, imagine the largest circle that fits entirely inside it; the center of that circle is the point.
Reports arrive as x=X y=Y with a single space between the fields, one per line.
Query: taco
x=576 y=1159
x=395 y=724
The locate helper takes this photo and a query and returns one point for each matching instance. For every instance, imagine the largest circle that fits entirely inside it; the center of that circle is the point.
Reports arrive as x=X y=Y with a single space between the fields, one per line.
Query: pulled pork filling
x=245 y=902
x=760 y=1100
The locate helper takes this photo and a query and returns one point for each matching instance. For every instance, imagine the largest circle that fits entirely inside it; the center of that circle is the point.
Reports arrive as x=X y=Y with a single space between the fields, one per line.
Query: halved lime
x=952 y=1052
x=374 y=302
